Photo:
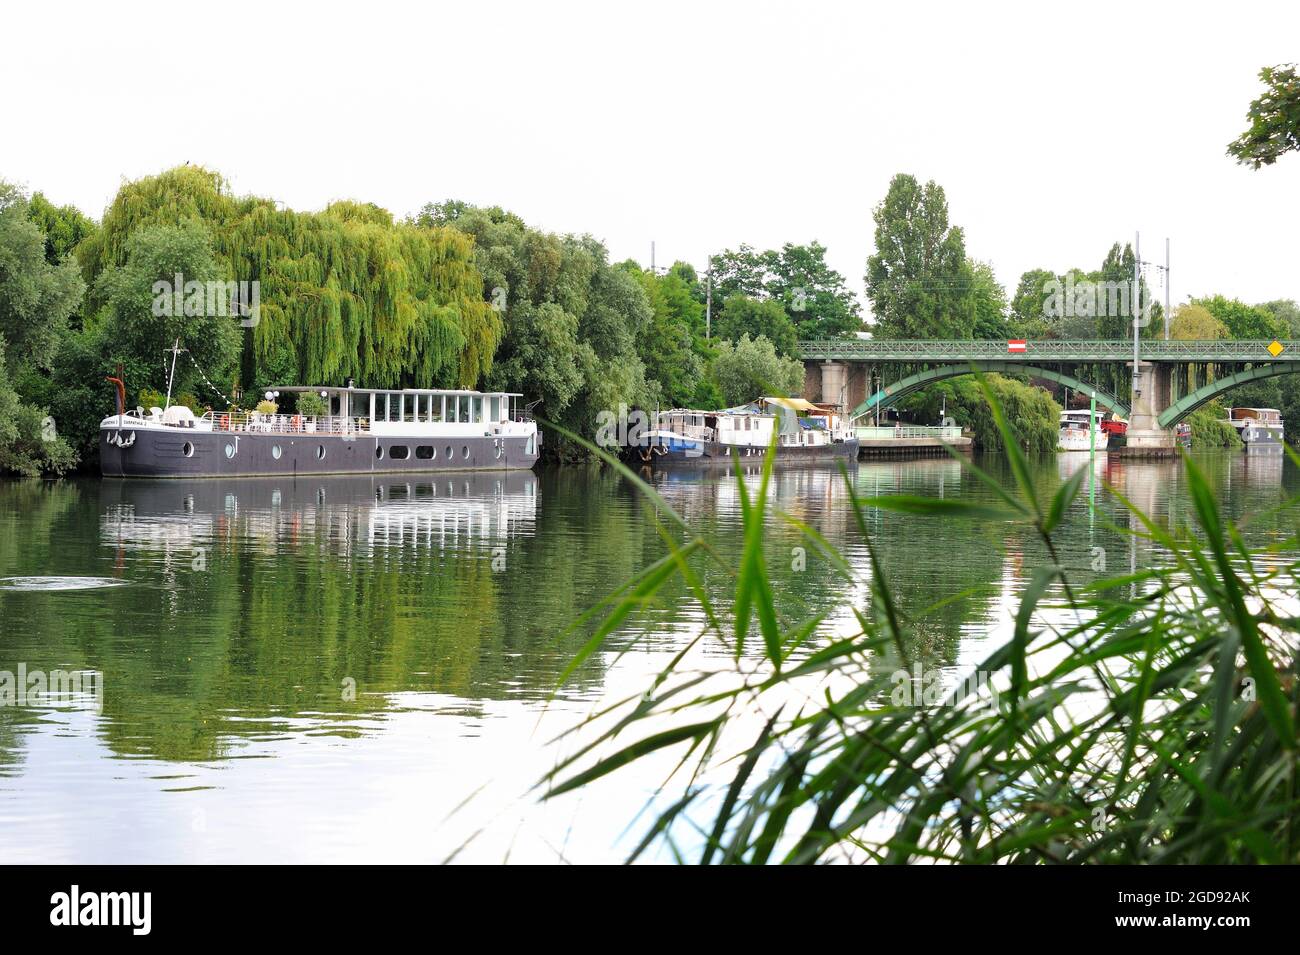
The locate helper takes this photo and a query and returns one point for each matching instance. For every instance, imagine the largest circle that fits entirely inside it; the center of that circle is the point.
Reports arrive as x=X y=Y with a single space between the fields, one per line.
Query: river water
x=366 y=669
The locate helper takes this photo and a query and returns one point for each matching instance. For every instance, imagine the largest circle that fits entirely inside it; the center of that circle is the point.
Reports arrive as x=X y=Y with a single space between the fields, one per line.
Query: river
x=365 y=669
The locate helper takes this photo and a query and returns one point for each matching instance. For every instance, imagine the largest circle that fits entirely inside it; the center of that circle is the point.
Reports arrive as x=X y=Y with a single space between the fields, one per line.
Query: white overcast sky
x=1054 y=128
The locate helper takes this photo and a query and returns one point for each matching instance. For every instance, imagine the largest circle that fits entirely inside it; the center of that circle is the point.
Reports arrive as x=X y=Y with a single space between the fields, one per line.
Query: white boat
x=1075 y=434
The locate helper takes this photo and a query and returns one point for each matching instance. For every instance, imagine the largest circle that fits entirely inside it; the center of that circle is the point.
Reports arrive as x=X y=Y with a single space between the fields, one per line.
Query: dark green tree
x=742 y=315
x=918 y=279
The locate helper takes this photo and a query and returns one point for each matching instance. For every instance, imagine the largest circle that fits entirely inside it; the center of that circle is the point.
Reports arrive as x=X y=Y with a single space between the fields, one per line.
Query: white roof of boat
x=392 y=391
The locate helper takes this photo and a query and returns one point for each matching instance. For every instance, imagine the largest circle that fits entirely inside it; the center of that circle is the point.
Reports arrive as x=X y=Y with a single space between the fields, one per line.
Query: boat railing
x=256 y=422
x=886 y=432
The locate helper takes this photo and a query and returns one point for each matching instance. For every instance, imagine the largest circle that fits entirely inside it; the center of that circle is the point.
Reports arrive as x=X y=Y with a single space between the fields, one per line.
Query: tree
x=742 y=315
x=1274 y=119
x=1245 y=322
x=815 y=297
x=988 y=302
x=751 y=368
x=1195 y=323
x=667 y=343
x=136 y=334
x=1029 y=317
x=36 y=296
x=918 y=279
x=64 y=226
x=1287 y=312
x=574 y=325
x=345 y=292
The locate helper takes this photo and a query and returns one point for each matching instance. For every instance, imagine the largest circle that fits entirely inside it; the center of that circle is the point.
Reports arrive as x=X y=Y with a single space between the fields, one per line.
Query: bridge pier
x=1152 y=394
x=834 y=384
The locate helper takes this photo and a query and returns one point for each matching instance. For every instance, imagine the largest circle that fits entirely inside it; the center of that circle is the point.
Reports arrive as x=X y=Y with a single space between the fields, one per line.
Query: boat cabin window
x=494 y=408
x=462 y=413
x=478 y=409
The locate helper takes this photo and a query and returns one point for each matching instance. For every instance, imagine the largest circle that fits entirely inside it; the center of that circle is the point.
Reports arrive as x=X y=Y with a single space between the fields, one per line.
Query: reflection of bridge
x=1174 y=378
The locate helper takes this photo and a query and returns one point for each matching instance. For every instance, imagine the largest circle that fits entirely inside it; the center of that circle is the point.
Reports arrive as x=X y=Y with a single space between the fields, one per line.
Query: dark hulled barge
x=366 y=431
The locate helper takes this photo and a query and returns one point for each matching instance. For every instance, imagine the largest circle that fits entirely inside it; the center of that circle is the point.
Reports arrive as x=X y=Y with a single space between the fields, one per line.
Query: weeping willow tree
x=346 y=292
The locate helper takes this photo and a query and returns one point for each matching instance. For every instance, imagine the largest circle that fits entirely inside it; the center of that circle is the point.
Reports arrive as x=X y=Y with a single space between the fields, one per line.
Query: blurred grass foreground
x=1147 y=718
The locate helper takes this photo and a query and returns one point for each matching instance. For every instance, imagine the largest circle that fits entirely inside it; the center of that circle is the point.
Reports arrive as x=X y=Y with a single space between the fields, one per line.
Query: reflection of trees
x=391 y=583
x=305 y=584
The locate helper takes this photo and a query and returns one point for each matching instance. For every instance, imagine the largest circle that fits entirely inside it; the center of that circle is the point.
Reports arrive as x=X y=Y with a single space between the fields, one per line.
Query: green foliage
x=1250 y=322
x=919 y=280
x=1274 y=119
x=668 y=342
x=742 y=315
x=1210 y=428
x=63 y=227
x=29 y=440
x=36 y=296
x=1033 y=414
x=573 y=323
x=312 y=405
x=1287 y=313
x=988 y=303
x=751 y=368
x=815 y=297
x=1196 y=323
x=133 y=335
x=345 y=292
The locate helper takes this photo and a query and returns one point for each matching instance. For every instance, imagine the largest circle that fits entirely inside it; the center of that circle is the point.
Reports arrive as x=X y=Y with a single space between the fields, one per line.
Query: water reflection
x=348 y=514
x=426 y=624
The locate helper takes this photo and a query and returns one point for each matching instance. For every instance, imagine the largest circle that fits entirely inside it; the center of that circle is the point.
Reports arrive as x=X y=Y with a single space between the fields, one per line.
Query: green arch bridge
x=1173 y=378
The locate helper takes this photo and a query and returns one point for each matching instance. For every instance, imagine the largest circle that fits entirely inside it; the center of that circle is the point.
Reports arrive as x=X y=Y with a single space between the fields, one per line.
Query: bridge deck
x=1113 y=350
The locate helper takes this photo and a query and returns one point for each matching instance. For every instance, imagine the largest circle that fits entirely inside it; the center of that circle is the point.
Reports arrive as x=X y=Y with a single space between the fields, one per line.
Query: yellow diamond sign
x=1276 y=348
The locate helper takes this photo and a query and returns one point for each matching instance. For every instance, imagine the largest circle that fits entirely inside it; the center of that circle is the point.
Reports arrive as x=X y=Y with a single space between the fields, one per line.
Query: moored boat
x=367 y=430
x=1082 y=430
x=1261 y=429
x=689 y=438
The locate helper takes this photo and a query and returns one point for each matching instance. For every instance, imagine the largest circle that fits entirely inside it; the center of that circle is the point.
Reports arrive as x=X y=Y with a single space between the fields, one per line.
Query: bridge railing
x=1106 y=350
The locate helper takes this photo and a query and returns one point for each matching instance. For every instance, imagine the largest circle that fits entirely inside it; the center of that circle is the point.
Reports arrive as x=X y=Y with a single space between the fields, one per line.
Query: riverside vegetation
x=1149 y=717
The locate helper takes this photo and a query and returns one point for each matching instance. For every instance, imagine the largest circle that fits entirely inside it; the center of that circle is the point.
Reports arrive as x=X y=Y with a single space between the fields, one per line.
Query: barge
x=367 y=431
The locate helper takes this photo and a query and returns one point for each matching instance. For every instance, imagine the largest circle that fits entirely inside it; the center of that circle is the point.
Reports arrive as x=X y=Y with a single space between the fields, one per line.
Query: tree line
x=466 y=296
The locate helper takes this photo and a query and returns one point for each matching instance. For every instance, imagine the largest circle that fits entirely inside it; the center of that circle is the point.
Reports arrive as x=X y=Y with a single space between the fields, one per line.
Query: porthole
x=187 y=449
x=379 y=452
x=464 y=450
x=276 y=452
x=230 y=450
x=399 y=452
x=500 y=450
x=320 y=452
x=450 y=453
x=424 y=452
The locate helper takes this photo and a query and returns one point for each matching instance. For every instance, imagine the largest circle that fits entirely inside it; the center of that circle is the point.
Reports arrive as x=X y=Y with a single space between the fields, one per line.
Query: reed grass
x=1156 y=728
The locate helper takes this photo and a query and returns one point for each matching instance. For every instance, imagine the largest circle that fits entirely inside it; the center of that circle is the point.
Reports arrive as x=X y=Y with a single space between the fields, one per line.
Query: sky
x=1055 y=130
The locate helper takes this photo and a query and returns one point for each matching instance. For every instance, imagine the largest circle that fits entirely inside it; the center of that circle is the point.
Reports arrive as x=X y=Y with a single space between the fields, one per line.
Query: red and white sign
x=1017 y=345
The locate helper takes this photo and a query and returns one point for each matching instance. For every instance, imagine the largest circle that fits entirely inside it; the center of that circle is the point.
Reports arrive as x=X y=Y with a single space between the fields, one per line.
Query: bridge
x=1173 y=379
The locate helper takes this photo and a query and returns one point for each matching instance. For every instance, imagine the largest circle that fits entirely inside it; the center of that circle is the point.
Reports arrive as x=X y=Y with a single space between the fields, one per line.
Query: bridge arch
x=1184 y=406
x=915 y=382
